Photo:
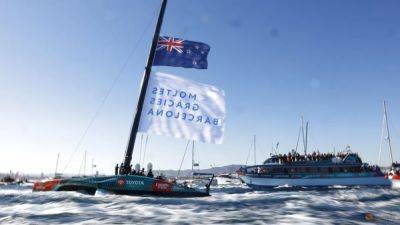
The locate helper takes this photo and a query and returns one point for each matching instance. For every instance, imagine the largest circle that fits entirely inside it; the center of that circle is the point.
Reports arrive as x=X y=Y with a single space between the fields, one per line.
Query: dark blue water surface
x=227 y=205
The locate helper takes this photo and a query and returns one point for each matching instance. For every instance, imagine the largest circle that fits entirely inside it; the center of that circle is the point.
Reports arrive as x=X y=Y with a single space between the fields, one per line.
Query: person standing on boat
x=121 y=169
x=150 y=173
x=129 y=169
x=141 y=173
x=116 y=169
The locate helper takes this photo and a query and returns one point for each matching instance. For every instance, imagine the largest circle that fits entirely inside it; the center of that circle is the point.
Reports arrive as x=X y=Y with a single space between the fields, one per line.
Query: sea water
x=227 y=205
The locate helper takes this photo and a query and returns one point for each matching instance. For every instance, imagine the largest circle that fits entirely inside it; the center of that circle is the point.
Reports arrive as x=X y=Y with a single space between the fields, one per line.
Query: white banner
x=183 y=108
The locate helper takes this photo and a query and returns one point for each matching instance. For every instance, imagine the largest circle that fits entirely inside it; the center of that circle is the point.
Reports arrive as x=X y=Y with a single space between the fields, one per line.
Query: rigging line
x=183 y=158
x=302 y=133
x=248 y=154
x=80 y=167
x=298 y=139
x=145 y=147
x=205 y=6
x=381 y=141
x=387 y=131
x=313 y=141
x=140 y=150
x=184 y=29
x=393 y=127
x=394 y=131
x=114 y=82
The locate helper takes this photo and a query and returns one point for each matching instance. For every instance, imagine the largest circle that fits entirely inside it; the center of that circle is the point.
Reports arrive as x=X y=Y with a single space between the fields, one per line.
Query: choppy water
x=227 y=205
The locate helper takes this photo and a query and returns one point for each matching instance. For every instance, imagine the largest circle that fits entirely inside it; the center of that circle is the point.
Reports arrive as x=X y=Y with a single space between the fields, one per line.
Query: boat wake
x=228 y=204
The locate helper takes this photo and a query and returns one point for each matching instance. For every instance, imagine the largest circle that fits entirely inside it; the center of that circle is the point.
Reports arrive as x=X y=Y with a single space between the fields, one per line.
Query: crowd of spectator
x=314 y=156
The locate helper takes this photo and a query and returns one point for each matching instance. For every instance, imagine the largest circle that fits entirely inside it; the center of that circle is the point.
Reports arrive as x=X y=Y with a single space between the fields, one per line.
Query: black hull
x=78 y=188
x=160 y=194
x=92 y=191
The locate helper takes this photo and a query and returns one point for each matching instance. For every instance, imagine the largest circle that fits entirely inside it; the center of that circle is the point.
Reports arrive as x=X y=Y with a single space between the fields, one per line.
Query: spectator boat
x=294 y=170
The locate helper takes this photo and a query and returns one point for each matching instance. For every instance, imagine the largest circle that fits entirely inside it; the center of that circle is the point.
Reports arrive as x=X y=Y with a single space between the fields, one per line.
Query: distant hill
x=188 y=172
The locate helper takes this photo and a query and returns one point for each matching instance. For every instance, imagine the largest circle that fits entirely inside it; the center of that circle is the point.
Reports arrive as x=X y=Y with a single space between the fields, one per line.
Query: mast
x=55 y=173
x=192 y=155
x=306 y=139
x=274 y=149
x=145 y=82
x=382 y=136
x=255 y=150
x=387 y=130
x=302 y=134
x=92 y=165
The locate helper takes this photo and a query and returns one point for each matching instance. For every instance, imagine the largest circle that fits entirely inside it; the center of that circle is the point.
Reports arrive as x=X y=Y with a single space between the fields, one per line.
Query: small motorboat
x=227 y=179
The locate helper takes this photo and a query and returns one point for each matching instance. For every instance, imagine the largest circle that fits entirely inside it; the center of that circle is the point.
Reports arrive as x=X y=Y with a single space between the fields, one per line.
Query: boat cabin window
x=324 y=169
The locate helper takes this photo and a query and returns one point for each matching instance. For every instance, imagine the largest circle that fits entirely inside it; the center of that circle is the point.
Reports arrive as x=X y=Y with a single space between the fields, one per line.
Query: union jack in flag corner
x=181 y=53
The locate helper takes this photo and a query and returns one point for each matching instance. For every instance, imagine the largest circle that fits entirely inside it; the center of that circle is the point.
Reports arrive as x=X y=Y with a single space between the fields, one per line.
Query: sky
x=333 y=62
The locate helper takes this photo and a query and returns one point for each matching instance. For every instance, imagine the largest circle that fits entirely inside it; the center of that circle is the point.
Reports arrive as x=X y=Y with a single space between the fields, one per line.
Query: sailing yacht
x=125 y=182
x=199 y=179
x=394 y=172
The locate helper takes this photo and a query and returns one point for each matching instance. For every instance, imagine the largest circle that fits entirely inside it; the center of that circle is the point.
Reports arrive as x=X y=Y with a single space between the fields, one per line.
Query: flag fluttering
x=181 y=53
x=183 y=108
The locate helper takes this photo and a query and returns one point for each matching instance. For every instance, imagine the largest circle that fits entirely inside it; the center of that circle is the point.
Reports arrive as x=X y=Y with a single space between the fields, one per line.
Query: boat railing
x=265 y=170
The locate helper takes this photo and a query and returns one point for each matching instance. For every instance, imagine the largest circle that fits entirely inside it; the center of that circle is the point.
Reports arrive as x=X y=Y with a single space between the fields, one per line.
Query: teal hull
x=129 y=185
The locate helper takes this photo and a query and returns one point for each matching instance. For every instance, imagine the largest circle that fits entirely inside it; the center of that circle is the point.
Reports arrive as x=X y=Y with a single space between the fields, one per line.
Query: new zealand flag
x=181 y=53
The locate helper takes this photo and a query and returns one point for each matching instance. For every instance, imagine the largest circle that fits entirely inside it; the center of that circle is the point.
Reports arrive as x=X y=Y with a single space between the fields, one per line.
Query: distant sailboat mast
x=385 y=124
x=55 y=173
x=192 y=156
x=253 y=145
x=306 y=140
x=145 y=82
x=304 y=135
x=255 y=150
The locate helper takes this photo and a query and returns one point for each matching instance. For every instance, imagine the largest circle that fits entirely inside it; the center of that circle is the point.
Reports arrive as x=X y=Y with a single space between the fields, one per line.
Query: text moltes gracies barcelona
x=170 y=101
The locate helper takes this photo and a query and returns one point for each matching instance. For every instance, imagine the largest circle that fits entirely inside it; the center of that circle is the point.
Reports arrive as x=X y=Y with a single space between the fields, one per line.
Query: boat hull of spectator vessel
x=257 y=182
x=331 y=171
x=395 y=181
x=394 y=175
x=120 y=184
